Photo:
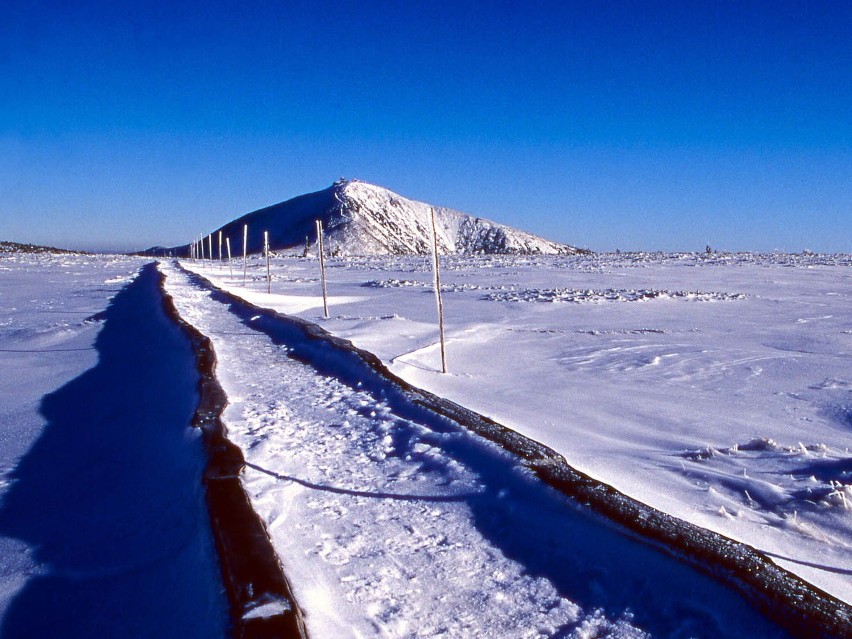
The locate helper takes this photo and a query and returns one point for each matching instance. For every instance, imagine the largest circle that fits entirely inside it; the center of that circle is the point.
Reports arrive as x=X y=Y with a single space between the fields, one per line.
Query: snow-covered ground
x=717 y=389
x=103 y=528
x=393 y=522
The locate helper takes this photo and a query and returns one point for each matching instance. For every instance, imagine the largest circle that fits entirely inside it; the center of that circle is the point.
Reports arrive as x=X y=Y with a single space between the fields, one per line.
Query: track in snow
x=392 y=521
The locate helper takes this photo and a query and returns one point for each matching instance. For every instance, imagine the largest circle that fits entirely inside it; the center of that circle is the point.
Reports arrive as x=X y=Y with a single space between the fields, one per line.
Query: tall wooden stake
x=266 y=248
x=210 y=246
x=322 y=268
x=230 y=263
x=245 y=252
x=202 y=248
x=437 y=283
x=220 y=246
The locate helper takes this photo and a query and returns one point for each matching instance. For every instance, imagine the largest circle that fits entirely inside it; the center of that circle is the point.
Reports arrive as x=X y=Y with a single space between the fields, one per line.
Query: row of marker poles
x=198 y=247
x=197 y=252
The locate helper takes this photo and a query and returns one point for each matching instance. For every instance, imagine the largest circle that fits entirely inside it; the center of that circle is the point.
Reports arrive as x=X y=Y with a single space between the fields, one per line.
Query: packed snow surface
x=393 y=522
x=716 y=388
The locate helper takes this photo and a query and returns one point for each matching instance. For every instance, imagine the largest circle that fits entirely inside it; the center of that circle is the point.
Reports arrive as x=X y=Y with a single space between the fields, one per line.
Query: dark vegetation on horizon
x=17 y=247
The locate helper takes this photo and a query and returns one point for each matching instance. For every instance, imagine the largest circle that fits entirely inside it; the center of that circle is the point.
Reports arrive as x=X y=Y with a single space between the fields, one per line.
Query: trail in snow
x=392 y=522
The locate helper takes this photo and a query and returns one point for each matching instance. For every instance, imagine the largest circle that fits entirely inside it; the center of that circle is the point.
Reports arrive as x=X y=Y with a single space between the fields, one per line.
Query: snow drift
x=364 y=219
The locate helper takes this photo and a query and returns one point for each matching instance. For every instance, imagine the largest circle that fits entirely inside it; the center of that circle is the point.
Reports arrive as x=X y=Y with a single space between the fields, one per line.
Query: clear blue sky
x=632 y=125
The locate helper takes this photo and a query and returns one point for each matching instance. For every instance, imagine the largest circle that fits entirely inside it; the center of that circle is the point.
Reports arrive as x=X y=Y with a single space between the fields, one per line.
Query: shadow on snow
x=110 y=496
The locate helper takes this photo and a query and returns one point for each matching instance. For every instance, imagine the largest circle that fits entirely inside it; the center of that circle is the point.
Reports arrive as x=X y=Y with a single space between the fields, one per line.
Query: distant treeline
x=17 y=247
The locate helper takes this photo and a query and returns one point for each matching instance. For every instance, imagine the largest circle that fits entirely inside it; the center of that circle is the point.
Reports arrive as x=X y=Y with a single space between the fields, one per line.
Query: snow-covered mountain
x=363 y=219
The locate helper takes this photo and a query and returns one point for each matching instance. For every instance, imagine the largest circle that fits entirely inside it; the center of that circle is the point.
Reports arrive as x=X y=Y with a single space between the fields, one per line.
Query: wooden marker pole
x=210 y=246
x=437 y=283
x=220 y=246
x=322 y=268
x=230 y=263
x=268 y=274
x=245 y=252
x=202 y=248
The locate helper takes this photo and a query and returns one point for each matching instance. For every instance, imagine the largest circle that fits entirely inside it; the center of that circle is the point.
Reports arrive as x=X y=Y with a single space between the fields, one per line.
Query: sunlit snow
x=730 y=406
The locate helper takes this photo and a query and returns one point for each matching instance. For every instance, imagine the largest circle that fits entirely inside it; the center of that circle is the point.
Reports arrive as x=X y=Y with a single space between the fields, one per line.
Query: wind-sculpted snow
x=600 y=263
x=805 y=488
x=608 y=295
x=809 y=477
x=790 y=260
x=447 y=288
x=395 y=283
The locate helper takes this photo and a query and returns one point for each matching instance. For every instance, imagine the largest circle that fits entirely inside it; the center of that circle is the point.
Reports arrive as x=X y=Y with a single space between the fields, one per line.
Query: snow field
x=103 y=527
x=390 y=523
x=365 y=509
x=45 y=341
x=608 y=360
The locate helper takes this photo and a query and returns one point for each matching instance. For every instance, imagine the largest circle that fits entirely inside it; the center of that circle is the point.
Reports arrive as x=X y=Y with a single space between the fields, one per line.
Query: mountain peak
x=360 y=218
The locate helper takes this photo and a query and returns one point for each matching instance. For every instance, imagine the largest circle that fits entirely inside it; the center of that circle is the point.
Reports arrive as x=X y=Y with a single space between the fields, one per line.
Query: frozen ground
x=103 y=529
x=716 y=389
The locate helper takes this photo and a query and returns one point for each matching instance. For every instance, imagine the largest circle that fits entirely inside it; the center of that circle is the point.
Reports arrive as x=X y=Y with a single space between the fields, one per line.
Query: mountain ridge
x=360 y=218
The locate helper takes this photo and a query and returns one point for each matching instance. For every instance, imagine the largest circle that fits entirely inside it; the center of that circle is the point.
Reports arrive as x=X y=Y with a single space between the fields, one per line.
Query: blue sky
x=632 y=125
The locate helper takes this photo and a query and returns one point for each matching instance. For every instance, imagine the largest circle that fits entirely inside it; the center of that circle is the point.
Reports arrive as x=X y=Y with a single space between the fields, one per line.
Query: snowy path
x=393 y=522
